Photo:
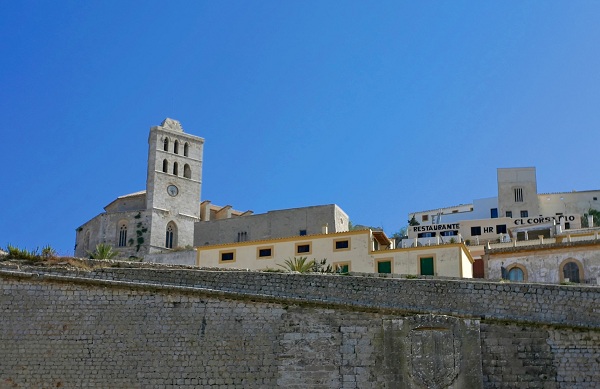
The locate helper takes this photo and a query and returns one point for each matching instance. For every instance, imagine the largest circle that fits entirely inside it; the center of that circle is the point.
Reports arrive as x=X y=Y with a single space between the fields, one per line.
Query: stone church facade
x=161 y=217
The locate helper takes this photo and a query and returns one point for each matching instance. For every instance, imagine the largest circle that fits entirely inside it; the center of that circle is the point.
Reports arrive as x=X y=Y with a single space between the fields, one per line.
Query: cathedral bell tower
x=173 y=185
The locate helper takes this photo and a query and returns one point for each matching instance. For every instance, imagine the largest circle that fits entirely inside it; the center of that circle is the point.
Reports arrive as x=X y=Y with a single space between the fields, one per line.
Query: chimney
x=325 y=228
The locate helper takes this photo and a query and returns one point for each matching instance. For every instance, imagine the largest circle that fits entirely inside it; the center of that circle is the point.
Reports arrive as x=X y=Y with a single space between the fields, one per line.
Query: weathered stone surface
x=139 y=328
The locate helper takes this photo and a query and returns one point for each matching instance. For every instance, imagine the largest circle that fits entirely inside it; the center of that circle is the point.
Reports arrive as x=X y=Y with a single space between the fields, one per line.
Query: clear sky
x=381 y=107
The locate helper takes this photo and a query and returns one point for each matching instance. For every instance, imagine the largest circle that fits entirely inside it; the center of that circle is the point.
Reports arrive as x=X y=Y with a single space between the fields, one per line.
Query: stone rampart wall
x=572 y=305
x=141 y=328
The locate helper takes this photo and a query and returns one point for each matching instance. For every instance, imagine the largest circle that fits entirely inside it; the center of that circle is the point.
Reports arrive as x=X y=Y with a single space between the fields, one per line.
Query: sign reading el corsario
x=545 y=219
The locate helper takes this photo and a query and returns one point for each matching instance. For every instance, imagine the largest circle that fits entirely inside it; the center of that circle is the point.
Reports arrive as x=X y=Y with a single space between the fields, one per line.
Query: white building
x=518 y=212
x=363 y=251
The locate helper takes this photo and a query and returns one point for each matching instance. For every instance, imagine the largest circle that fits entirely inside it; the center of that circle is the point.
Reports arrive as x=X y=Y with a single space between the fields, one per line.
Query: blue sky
x=380 y=107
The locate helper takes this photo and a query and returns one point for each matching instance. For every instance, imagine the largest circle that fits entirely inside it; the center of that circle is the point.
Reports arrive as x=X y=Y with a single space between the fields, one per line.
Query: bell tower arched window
x=166 y=144
x=165 y=166
x=171 y=236
x=187 y=172
x=122 y=234
x=186 y=149
x=175 y=168
x=176 y=147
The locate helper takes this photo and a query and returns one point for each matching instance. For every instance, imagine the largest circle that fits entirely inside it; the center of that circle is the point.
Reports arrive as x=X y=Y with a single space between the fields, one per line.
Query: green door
x=427 y=266
x=384 y=267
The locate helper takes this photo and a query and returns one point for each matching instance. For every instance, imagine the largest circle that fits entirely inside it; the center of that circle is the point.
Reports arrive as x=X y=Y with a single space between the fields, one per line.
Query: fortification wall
x=140 y=328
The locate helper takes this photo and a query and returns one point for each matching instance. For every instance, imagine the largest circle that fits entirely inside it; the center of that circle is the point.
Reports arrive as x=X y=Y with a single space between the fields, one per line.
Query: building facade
x=161 y=217
x=219 y=229
x=517 y=213
x=363 y=251
x=571 y=258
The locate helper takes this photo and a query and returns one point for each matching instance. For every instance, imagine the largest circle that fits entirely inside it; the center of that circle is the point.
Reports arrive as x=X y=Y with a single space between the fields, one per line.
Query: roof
x=381 y=238
x=130 y=195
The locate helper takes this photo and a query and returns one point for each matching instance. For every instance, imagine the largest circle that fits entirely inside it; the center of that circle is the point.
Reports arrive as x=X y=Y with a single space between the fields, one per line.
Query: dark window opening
x=265 y=252
x=303 y=248
x=342 y=244
x=475 y=231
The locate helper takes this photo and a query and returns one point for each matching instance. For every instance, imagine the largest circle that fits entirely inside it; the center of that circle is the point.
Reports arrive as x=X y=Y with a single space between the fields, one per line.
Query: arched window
x=165 y=166
x=185 y=149
x=571 y=272
x=187 y=172
x=122 y=234
x=86 y=241
x=171 y=237
x=516 y=274
x=166 y=144
x=175 y=168
x=176 y=147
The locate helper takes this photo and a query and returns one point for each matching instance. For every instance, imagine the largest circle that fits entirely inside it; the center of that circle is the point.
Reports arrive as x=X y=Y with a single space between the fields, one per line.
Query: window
x=303 y=248
x=508 y=213
x=384 y=266
x=501 y=228
x=227 y=256
x=518 y=195
x=302 y=232
x=341 y=267
x=341 y=244
x=426 y=267
x=171 y=236
x=448 y=233
x=516 y=274
x=424 y=218
x=571 y=271
x=187 y=172
x=524 y=214
x=185 y=149
x=494 y=213
x=595 y=198
x=176 y=147
x=166 y=144
x=175 y=168
x=567 y=226
x=165 y=166
x=122 y=234
x=86 y=241
x=426 y=235
x=264 y=252
x=475 y=231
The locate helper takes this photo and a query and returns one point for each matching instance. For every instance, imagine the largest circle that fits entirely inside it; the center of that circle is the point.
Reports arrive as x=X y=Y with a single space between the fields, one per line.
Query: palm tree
x=103 y=251
x=300 y=265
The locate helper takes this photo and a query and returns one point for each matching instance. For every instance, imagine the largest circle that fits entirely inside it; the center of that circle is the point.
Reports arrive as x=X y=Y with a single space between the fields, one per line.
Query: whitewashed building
x=363 y=251
x=518 y=212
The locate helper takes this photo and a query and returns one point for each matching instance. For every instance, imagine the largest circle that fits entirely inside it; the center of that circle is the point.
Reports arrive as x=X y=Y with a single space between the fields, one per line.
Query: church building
x=161 y=217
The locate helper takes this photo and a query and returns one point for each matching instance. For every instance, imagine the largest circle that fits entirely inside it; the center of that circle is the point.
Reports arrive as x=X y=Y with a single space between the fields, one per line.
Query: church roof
x=141 y=192
x=127 y=196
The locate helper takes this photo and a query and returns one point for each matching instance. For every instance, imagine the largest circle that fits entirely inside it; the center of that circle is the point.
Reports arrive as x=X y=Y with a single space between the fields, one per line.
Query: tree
x=103 y=251
x=413 y=221
x=300 y=265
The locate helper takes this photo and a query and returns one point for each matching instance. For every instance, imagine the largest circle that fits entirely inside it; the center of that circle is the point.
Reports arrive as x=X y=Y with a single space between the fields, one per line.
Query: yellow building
x=363 y=251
